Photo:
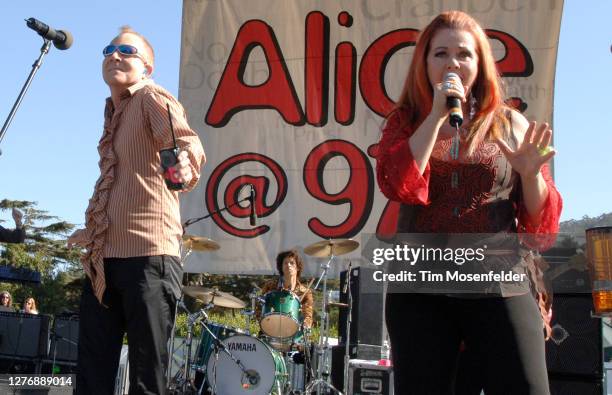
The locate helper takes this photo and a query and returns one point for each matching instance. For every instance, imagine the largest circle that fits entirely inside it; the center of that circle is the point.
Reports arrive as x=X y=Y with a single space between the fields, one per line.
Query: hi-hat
x=211 y=295
x=198 y=243
x=327 y=248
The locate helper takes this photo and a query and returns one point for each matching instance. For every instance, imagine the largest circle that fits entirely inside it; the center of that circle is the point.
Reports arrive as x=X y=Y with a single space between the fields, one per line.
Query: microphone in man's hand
x=455 y=115
x=253 y=216
x=62 y=39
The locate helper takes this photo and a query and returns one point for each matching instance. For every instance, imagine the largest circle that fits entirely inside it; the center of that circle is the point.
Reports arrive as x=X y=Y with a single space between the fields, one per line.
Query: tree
x=44 y=251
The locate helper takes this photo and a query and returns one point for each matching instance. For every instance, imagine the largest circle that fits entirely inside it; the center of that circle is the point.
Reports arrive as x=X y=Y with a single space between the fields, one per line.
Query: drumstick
x=307 y=288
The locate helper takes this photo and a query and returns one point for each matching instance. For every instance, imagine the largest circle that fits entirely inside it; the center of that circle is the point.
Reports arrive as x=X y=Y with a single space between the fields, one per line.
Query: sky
x=49 y=153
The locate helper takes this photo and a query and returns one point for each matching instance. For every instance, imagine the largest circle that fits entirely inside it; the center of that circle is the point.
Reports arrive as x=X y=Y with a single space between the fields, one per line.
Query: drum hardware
x=349 y=305
x=196 y=243
x=323 y=249
x=254 y=298
x=214 y=296
x=331 y=248
x=182 y=380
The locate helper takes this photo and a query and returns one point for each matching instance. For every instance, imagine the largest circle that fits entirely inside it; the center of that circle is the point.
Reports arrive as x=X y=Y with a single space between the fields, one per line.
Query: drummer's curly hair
x=289 y=254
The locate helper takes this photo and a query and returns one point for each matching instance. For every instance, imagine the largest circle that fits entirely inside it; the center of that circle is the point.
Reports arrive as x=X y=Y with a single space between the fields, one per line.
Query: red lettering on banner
x=345 y=83
x=232 y=192
x=317 y=68
x=373 y=66
x=358 y=192
x=517 y=62
x=234 y=95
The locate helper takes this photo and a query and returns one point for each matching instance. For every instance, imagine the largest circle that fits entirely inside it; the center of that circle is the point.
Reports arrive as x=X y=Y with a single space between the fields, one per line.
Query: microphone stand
x=192 y=221
x=43 y=51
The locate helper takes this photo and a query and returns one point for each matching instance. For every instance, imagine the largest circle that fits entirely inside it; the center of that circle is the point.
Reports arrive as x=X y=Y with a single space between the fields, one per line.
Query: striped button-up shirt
x=132 y=212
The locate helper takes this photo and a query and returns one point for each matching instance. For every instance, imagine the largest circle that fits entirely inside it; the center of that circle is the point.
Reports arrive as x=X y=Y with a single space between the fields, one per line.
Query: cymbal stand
x=323 y=360
x=182 y=381
x=179 y=303
x=254 y=297
x=349 y=318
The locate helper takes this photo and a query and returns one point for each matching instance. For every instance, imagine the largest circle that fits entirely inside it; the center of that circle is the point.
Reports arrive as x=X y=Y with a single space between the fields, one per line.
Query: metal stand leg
x=322 y=377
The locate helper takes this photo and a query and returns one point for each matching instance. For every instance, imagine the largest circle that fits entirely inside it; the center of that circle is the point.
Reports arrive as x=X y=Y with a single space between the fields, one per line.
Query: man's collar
x=129 y=92
x=137 y=86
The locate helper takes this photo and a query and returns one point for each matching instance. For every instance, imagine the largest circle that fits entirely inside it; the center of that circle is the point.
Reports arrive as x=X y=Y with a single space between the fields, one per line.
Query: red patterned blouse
x=476 y=194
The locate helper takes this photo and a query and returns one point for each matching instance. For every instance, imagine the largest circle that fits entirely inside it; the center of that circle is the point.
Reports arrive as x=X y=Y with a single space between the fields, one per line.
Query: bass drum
x=266 y=372
x=207 y=342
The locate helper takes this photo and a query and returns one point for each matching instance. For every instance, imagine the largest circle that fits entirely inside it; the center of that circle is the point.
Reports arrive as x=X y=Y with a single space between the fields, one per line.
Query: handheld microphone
x=62 y=39
x=253 y=216
x=348 y=278
x=455 y=117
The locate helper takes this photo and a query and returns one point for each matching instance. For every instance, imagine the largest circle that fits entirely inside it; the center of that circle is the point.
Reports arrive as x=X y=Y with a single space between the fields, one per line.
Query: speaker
x=367 y=378
x=356 y=351
x=367 y=313
x=24 y=335
x=567 y=271
x=573 y=386
x=575 y=347
x=64 y=339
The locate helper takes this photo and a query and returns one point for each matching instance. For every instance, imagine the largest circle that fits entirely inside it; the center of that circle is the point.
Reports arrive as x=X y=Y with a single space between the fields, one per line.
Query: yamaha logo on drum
x=249 y=347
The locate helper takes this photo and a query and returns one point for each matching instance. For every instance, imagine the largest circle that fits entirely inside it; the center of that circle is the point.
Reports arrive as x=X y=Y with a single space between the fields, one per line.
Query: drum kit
x=281 y=359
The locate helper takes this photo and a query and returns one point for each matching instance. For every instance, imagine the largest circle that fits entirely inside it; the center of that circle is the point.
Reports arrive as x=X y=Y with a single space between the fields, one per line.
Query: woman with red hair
x=489 y=176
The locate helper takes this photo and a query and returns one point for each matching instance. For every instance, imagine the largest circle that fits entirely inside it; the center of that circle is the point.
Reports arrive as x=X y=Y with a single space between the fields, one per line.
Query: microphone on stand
x=62 y=39
x=253 y=215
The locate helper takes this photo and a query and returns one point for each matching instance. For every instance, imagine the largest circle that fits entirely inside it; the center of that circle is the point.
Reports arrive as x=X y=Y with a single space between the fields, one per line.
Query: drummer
x=290 y=265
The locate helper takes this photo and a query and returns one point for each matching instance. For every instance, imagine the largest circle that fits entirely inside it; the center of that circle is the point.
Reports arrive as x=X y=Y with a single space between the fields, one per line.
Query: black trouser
x=140 y=296
x=504 y=334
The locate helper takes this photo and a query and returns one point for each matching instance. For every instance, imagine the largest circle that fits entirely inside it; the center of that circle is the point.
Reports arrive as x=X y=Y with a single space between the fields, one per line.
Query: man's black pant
x=504 y=335
x=140 y=296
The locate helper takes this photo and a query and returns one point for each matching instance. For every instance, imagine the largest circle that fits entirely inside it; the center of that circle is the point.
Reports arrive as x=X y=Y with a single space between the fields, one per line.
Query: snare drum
x=267 y=372
x=285 y=344
x=280 y=314
x=207 y=343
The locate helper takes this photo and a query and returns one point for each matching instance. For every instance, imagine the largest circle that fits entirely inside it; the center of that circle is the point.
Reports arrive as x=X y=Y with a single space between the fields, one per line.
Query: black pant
x=140 y=296
x=504 y=334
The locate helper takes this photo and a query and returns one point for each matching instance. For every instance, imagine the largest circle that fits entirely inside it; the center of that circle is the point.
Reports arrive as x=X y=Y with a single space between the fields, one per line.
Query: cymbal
x=218 y=298
x=198 y=243
x=327 y=248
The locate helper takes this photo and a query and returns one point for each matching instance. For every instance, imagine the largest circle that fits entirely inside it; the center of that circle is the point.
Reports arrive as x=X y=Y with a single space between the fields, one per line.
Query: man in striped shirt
x=133 y=228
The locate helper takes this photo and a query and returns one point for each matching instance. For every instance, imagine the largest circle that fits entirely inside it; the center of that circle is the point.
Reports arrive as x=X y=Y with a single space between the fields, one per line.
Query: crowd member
x=29 y=306
x=16 y=235
x=6 y=301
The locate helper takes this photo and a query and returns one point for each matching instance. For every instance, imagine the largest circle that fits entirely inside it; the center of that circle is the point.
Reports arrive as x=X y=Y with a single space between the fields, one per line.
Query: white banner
x=290 y=95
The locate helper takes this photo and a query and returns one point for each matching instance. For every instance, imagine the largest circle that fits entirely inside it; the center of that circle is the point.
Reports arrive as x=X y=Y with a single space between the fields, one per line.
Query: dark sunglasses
x=124 y=49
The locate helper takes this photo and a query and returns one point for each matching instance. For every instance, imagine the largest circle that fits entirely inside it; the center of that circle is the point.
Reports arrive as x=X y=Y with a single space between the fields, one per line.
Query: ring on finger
x=543 y=151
